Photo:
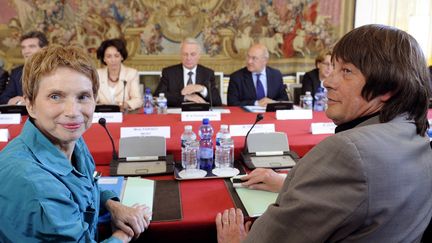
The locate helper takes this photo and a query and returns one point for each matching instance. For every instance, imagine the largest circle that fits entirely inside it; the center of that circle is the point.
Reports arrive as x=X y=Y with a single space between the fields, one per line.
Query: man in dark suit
x=3 y=76
x=30 y=43
x=189 y=81
x=256 y=84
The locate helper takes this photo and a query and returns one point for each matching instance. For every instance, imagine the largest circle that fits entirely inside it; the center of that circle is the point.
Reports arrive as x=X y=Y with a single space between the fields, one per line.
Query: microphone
x=102 y=122
x=259 y=117
x=124 y=95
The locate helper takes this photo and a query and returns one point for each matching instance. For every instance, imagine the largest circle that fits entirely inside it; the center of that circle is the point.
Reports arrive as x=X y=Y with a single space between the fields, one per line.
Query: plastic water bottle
x=206 y=145
x=224 y=152
x=308 y=100
x=148 y=102
x=162 y=104
x=187 y=136
x=222 y=134
x=320 y=99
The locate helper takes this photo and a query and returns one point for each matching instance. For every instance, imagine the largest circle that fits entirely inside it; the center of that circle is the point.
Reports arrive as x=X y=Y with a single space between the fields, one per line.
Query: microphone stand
x=259 y=117
x=102 y=122
x=124 y=95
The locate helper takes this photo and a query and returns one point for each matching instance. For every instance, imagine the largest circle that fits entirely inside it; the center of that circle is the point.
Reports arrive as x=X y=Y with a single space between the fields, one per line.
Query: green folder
x=138 y=190
x=256 y=201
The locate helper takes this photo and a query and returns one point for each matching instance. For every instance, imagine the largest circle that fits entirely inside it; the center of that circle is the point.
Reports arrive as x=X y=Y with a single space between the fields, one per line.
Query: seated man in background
x=371 y=181
x=188 y=81
x=31 y=43
x=256 y=84
x=314 y=79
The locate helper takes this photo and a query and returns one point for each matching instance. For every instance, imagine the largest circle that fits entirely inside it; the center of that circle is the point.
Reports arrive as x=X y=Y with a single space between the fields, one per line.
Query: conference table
x=200 y=200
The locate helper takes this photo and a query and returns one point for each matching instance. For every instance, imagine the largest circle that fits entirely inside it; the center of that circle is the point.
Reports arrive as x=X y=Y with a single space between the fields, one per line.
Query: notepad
x=256 y=201
x=138 y=190
x=112 y=183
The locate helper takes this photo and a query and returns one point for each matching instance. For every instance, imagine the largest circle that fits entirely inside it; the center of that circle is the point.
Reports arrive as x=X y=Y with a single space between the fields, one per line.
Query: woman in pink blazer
x=118 y=83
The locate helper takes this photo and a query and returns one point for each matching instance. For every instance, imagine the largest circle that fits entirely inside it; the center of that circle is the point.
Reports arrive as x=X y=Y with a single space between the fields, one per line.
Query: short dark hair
x=392 y=61
x=119 y=44
x=43 y=41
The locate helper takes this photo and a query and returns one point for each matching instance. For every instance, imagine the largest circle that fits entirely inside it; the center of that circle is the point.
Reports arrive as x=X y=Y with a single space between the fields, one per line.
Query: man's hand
x=264 y=179
x=131 y=220
x=264 y=101
x=194 y=98
x=17 y=100
x=191 y=89
x=230 y=227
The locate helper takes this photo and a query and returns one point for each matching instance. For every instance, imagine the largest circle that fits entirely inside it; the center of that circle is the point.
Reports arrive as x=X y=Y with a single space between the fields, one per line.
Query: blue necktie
x=189 y=82
x=259 y=87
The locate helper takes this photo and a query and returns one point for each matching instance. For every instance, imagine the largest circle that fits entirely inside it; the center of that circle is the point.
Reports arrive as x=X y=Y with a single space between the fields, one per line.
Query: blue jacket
x=44 y=197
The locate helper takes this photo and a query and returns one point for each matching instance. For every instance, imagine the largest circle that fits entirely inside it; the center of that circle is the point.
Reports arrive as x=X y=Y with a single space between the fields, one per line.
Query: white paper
x=255 y=108
x=323 y=128
x=241 y=130
x=110 y=117
x=164 y=131
x=13 y=118
x=108 y=180
x=200 y=115
x=294 y=114
x=4 y=135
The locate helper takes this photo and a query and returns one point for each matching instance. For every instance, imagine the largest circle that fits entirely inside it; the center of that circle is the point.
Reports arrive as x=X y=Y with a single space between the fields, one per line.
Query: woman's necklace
x=113 y=80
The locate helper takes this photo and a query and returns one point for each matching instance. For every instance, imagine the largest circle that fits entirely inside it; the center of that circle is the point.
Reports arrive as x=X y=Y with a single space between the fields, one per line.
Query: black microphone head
x=259 y=117
x=102 y=121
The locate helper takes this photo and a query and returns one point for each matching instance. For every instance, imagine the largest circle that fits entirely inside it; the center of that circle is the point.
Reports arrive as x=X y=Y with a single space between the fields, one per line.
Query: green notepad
x=138 y=190
x=256 y=201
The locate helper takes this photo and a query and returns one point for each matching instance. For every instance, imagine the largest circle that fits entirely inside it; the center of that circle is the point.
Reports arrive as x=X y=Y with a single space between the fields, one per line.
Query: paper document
x=138 y=190
x=255 y=108
x=112 y=183
x=256 y=201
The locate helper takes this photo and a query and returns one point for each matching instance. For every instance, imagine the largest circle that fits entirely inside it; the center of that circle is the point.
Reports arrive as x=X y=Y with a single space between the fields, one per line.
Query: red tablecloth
x=201 y=199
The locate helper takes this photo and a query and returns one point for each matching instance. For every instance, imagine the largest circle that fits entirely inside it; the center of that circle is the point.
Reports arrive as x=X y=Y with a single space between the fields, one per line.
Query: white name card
x=323 y=128
x=4 y=135
x=241 y=130
x=126 y=132
x=294 y=114
x=13 y=118
x=199 y=115
x=110 y=117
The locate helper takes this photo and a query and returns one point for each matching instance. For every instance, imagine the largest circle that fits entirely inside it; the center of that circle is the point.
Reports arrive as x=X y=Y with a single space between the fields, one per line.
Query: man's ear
x=29 y=106
x=385 y=97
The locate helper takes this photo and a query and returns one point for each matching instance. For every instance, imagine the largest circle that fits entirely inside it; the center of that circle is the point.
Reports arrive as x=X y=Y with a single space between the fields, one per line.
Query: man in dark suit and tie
x=189 y=81
x=31 y=43
x=256 y=84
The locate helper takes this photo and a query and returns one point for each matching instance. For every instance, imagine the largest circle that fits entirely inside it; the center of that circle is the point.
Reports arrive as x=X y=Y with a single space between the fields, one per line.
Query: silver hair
x=192 y=41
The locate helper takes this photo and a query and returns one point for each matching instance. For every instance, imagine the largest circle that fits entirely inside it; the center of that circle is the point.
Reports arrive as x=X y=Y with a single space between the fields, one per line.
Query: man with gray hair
x=189 y=81
x=256 y=84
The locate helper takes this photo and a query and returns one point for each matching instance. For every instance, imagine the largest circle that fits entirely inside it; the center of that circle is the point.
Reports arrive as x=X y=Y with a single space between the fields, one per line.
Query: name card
x=241 y=130
x=4 y=135
x=294 y=114
x=199 y=115
x=13 y=118
x=126 y=132
x=323 y=128
x=111 y=117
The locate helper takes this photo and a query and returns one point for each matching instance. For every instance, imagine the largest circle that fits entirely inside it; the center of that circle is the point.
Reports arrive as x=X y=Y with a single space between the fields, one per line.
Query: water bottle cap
x=161 y=94
x=205 y=121
x=308 y=92
x=224 y=126
x=148 y=90
x=188 y=127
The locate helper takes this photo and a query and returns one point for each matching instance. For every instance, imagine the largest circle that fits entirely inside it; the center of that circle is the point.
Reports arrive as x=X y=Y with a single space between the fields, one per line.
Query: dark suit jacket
x=171 y=83
x=14 y=87
x=311 y=82
x=3 y=79
x=241 y=89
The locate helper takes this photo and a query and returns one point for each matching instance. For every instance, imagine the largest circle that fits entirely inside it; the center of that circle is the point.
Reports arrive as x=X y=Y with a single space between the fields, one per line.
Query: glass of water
x=224 y=156
x=190 y=161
